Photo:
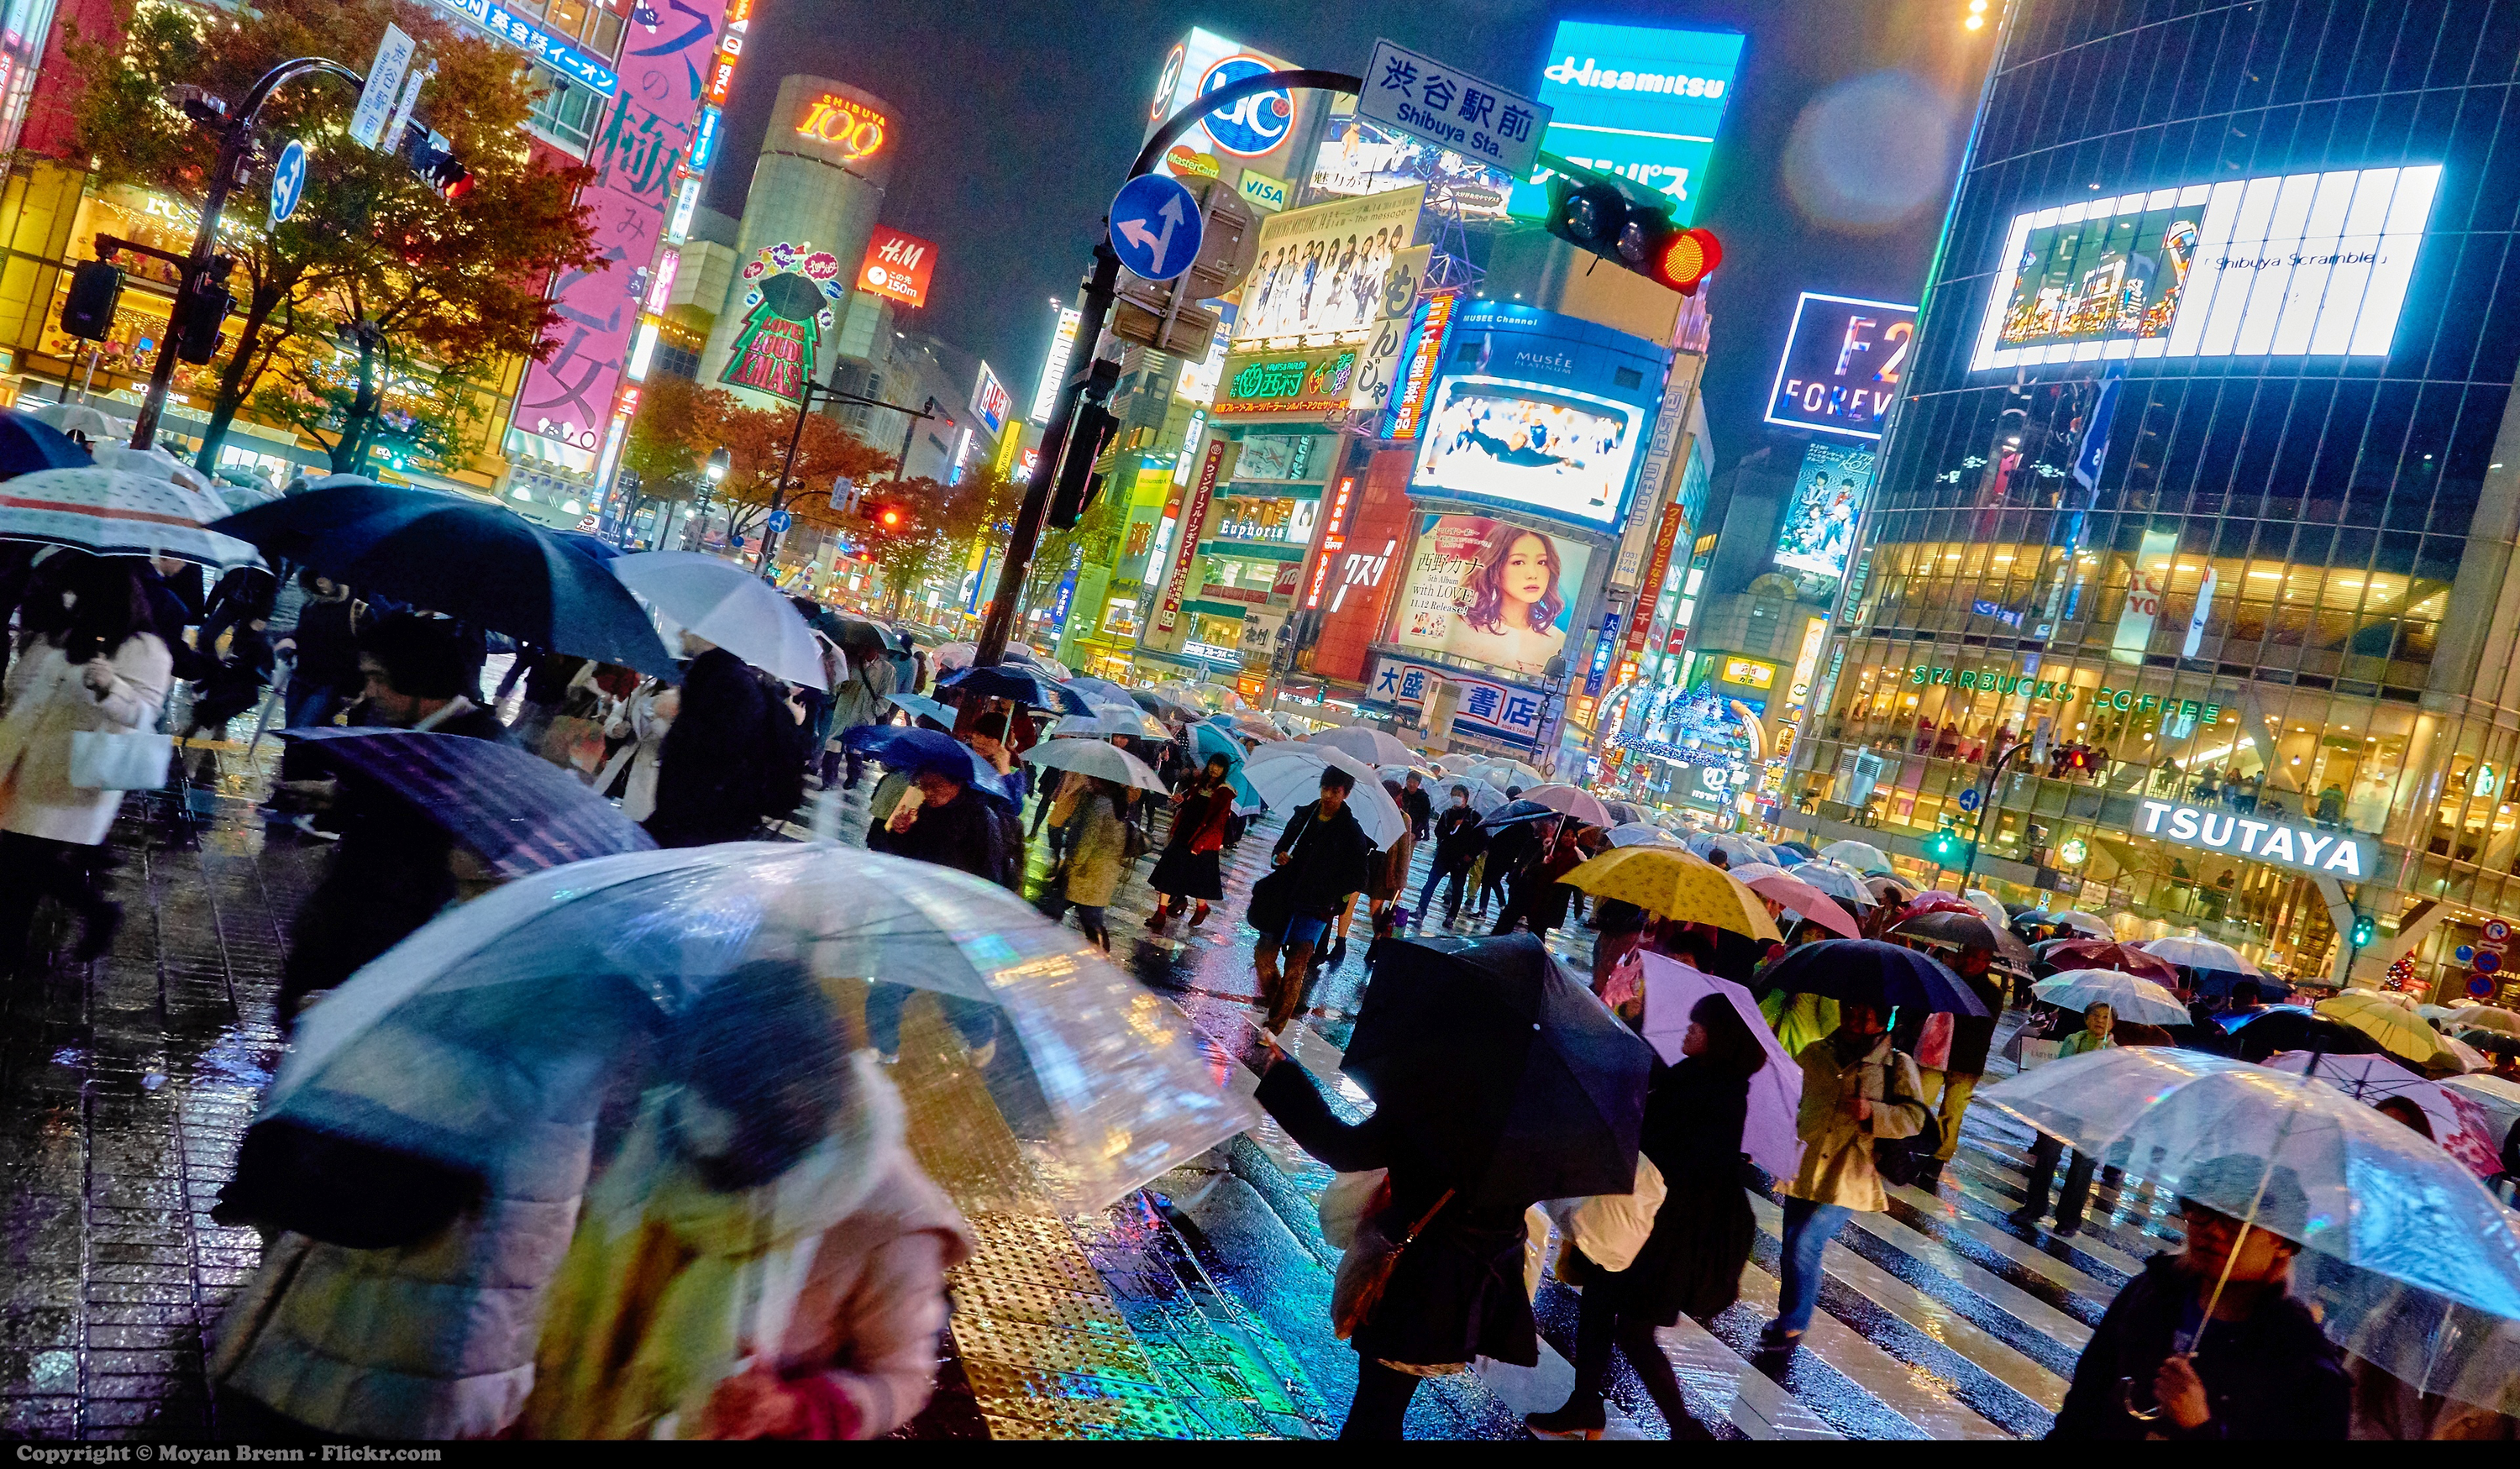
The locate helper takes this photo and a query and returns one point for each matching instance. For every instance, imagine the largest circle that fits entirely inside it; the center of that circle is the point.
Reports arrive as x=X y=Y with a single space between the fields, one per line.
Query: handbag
x=119 y=759
x=1365 y=1271
x=573 y=741
x=1273 y=897
x=1902 y=1160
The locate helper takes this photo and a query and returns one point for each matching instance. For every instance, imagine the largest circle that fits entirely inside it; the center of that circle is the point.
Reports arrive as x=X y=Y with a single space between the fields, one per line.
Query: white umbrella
x=1101 y=691
x=1108 y=720
x=2199 y=952
x=1864 y=857
x=78 y=417
x=2078 y=920
x=1988 y=903
x=1573 y=800
x=953 y=656
x=1836 y=880
x=1092 y=757
x=1507 y=772
x=1221 y=696
x=1365 y=744
x=1735 y=848
x=2137 y=1000
x=127 y=503
x=1484 y=798
x=1288 y=774
x=1457 y=762
x=723 y=603
x=2485 y=1017
x=1639 y=835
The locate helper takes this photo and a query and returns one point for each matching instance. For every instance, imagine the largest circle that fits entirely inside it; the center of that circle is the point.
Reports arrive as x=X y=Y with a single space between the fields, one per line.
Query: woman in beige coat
x=1098 y=854
x=90 y=660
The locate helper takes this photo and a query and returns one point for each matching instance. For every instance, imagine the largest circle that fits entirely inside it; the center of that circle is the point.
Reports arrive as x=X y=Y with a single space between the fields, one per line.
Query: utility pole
x=1100 y=287
x=1986 y=805
x=797 y=437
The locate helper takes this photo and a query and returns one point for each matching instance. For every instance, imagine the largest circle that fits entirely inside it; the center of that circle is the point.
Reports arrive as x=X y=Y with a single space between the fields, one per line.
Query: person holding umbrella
x=1323 y=860
x=1458 y=839
x=1098 y=853
x=1949 y=1086
x=1191 y=868
x=2098 y=1019
x=860 y=701
x=730 y=760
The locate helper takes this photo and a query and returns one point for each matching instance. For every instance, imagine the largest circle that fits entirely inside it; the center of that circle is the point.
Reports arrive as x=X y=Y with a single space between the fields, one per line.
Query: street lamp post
x=712 y=472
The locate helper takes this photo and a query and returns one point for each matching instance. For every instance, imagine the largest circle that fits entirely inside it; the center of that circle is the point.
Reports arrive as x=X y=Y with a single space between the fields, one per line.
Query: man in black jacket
x=952 y=825
x=734 y=757
x=1418 y=807
x=1948 y=1088
x=2260 y=1369
x=1458 y=839
x=1324 y=859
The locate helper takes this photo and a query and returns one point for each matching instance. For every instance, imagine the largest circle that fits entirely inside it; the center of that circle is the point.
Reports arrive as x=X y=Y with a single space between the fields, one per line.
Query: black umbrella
x=1875 y=972
x=1019 y=682
x=2493 y=1043
x=1967 y=930
x=2293 y=1028
x=28 y=443
x=1489 y=1054
x=1513 y=812
x=519 y=813
x=463 y=556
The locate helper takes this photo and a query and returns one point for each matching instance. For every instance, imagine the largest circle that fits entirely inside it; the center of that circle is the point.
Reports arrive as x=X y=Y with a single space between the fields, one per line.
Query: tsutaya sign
x=2321 y=852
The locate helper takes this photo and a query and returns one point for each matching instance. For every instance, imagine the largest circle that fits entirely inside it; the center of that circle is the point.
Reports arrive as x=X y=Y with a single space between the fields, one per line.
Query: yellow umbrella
x=1677 y=884
x=2399 y=1031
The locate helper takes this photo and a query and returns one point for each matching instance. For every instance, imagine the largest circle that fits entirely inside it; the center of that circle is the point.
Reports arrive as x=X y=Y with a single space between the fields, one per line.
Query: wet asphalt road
x=125 y=1086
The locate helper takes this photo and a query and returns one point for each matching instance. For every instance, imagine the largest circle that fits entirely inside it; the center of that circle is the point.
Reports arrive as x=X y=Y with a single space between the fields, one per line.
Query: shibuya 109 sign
x=856 y=130
x=2336 y=853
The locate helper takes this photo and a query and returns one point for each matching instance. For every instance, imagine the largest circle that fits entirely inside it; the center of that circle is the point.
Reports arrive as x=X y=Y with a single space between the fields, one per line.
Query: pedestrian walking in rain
x=1501 y=857
x=1390 y=881
x=1098 y=855
x=394 y=867
x=1857 y=1088
x=940 y=818
x=1949 y=1086
x=2098 y=1020
x=322 y=646
x=730 y=760
x=1417 y=806
x=1191 y=869
x=89 y=661
x=2259 y=1368
x=1458 y=840
x=641 y=724
x=862 y=699
x=1692 y=1261
x=1321 y=863
x=1540 y=894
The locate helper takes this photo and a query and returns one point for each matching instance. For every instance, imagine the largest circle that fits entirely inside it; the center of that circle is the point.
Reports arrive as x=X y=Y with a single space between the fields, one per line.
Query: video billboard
x=2300 y=265
x=1320 y=271
x=1488 y=593
x=1638 y=101
x=991 y=401
x=1843 y=361
x=1359 y=157
x=1818 y=533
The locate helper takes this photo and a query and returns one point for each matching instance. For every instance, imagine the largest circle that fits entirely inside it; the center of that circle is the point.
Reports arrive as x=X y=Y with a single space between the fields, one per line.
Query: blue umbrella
x=28 y=443
x=463 y=556
x=1874 y=972
x=595 y=546
x=921 y=706
x=916 y=752
x=519 y=812
x=1019 y=683
x=1099 y=690
x=1208 y=739
x=1513 y=812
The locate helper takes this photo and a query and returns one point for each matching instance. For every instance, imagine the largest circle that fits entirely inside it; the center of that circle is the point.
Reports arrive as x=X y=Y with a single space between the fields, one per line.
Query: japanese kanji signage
x=1186 y=550
x=1471 y=115
x=1502 y=710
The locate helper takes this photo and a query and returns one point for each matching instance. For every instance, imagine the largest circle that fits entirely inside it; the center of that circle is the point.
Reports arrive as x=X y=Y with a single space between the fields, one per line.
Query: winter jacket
x=1199 y=818
x=1420 y=808
x=1837 y=1152
x=1973 y=1036
x=863 y=697
x=1458 y=838
x=47 y=701
x=1098 y=845
x=2270 y=1376
x=634 y=766
x=1391 y=868
x=328 y=647
x=1332 y=860
x=962 y=834
x=1701 y=1237
x=734 y=757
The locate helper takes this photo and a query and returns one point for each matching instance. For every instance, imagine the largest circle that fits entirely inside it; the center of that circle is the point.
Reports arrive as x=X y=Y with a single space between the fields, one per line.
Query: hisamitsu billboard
x=1843 y=362
x=1641 y=101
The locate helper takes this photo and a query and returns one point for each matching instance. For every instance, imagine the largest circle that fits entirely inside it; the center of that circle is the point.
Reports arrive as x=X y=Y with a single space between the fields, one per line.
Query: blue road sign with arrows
x=1969 y=800
x=780 y=521
x=287 y=181
x=1155 y=227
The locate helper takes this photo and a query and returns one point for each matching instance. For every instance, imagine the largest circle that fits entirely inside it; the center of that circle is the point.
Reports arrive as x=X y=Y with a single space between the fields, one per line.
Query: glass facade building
x=2203 y=489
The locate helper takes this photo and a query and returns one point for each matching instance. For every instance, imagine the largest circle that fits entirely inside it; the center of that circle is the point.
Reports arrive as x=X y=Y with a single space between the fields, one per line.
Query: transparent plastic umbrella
x=2199 y=952
x=1093 y=757
x=1289 y=774
x=1637 y=834
x=2458 y=1122
x=1836 y=880
x=2081 y=923
x=1370 y=746
x=2485 y=1018
x=2128 y=997
x=1864 y=857
x=1573 y=800
x=1735 y=847
x=1033 y=1070
x=2413 y=1265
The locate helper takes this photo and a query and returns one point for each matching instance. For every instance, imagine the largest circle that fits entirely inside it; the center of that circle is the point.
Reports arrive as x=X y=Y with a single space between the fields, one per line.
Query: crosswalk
x=1939 y=1319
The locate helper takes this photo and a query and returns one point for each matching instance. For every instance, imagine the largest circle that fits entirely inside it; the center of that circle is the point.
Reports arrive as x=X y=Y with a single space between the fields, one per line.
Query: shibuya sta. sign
x=2323 y=852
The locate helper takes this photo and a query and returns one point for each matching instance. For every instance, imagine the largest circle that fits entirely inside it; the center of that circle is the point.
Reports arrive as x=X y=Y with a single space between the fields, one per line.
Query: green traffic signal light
x=2364 y=931
x=1945 y=847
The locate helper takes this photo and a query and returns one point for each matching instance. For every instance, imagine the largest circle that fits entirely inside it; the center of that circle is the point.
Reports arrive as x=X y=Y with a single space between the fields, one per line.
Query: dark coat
x=1420 y=808
x=328 y=649
x=734 y=757
x=964 y=833
x=1458 y=838
x=1332 y=860
x=2270 y=1376
x=1702 y=1233
x=1457 y=1290
x=1973 y=1036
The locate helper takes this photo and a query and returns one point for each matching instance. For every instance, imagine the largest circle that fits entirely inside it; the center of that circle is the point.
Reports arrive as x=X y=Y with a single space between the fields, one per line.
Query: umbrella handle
x=2231 y=1256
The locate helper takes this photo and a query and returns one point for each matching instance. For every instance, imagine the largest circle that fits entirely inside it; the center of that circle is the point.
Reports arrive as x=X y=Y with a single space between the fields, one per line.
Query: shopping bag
x=116 y=760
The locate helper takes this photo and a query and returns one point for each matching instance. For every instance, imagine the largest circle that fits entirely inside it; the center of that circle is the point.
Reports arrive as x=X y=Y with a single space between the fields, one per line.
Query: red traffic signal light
x=1687 y=258
x=890 y=517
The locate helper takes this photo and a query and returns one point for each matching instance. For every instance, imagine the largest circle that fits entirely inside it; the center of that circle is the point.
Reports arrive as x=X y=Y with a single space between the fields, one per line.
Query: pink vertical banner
x=568 y=399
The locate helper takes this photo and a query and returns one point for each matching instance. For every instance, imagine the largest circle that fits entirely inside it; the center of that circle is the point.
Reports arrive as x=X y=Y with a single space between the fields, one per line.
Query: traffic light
x=1077 y=485
x=2364 y=931
x=884 y=517
x=433 y=157
x=1592 y=212
x=96 y=289
x=200 y=307
x=1947 y=847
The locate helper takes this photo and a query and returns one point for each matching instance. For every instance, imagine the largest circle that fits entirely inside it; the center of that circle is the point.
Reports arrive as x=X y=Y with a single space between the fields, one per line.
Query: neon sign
x=854 y=128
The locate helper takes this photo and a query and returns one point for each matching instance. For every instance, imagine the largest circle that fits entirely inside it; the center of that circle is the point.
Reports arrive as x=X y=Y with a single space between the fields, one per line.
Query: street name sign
x=1447 y=106
x=381 y=90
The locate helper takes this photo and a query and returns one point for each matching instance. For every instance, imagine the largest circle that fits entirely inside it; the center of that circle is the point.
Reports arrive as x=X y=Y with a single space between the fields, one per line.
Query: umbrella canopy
x=578 y=541
x=2464 y=1129
x=1573 y=800
x=1165 y=707
x=1186 y=696
x=2081 y=923
x=1489 y=1054
x=860 y=638
x=720 y=603
x=463 y=556
x=2411 y=1264
x=1967 y=930
x=1679 y=885
x=2291 y=1027
x=1018 y=684
x=78 y=418
x=1291 y=776
x=1768 y=880
x=1639 y=835
x=121 y=506
x=1505 y=773
x=516 y=812
x=919 y=752
x=1485 y=799
x=1623 y=812
x=1108 y=720
x=2400 y=1032
x=1836 y=880
x=1222 y=696
x=1208 y=739
x=461 y=1042
x=2492 y=1043
x=2101 y=954
x=2465 y=1056
x=2199 y=952
x=1802 y=850
x=2485 y=1018
x=949 y=656
x=1735 y=847
x=2131 y=999
x=28 y=443
x=1365 y=744
x=1874 y=972
x=1885 y=888
x=1093 y=757
x=1673 y=990
x=1864 y=857
x=2497 y=1095
x=1517 y=811
x=921 y=706
x=1990 y=905
x=1099 y=690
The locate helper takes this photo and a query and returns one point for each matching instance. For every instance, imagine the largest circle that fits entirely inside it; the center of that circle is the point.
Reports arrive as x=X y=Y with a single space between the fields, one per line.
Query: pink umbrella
x=1672 y=990
x=2460 y=1125
x=1574 y=800
x=1784 y=887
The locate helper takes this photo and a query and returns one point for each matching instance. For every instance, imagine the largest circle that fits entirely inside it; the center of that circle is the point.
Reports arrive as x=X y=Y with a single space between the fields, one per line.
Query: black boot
x=1583 y=1417
x=104 y=921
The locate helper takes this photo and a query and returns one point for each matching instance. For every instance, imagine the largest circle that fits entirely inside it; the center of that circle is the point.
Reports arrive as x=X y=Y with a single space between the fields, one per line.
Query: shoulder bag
x=1365 y=1271
x=1902 y=1160
x=1273 y=897
x=119 y=759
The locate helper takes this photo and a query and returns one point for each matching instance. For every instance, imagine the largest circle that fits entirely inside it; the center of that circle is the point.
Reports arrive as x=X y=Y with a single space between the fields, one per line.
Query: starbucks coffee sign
x=2339 y=853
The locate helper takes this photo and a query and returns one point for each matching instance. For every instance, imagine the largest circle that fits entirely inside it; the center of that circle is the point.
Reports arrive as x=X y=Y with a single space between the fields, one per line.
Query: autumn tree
x=461 y=285
x=922 y=547
x=756 y=441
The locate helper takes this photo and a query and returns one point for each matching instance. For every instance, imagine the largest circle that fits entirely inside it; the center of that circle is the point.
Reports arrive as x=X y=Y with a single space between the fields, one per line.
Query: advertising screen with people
x=1484 y=592
x=1819 y=529
x=1550 y=450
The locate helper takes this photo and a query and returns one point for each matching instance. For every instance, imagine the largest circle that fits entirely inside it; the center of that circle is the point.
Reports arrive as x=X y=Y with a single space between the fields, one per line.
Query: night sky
x=1016 y=120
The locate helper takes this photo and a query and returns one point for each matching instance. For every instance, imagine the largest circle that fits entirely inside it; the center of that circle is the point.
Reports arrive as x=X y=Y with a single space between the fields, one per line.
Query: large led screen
x=2300 y=265
x=1819 y=529
x=1843 y=363
x=1483 y=591
x=1548 y=450
x=1641 y=101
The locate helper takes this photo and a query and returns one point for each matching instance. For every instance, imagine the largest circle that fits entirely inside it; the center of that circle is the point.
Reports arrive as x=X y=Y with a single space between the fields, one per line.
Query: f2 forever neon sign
x=2246 y=836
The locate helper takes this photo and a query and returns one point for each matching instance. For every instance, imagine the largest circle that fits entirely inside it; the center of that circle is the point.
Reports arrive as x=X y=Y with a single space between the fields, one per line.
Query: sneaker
x=1772 y=1339
x=2026 y=1219
x=306 y=824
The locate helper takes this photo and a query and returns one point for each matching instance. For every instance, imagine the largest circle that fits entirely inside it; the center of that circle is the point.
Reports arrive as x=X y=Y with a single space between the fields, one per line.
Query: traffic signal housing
x=1947 y=847
x=1077 y=485
x=201 y=306
x=2364 y=931
x=433 y=157
x=1592 y=212
x=96 y=289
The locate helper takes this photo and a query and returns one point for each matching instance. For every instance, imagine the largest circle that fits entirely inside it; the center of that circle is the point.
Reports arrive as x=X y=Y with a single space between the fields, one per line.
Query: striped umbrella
x=118 y=511
x=516 y=812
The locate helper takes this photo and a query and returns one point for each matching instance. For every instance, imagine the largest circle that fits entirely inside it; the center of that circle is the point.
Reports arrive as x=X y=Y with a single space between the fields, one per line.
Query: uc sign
x=855 y=129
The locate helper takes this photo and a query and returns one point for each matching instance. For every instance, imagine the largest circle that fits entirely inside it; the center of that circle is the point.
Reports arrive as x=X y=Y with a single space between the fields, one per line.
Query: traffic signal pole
x=1102 y=288
x=236 y=138
x=1985 y=805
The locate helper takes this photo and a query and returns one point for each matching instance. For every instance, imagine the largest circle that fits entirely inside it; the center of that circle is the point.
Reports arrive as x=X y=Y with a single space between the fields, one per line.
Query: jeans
x=2044 y=1155
x=974 y=1022
x=1808 y=1228
x=1452 y=895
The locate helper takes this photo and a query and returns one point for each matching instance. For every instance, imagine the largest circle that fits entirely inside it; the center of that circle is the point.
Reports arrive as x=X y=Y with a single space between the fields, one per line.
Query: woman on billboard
x=1512 y=600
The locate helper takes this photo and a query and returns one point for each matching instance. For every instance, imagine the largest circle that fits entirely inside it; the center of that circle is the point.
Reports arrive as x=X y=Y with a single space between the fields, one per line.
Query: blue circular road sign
x=2488 y=962
x=1154 y=227
x=780 y=521
x=287 y=181
x=2463 y=953
x=2481 y=987
x=1968 y=800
